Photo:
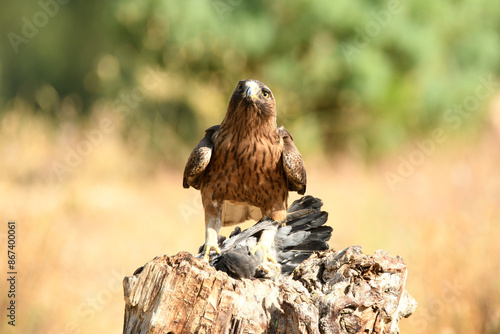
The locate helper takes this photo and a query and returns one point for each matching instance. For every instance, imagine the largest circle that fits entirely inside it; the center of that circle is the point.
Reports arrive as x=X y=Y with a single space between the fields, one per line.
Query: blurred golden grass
x=79 y=235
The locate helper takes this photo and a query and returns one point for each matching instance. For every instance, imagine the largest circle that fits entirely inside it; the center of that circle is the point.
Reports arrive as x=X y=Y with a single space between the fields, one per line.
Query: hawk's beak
x=251 y=90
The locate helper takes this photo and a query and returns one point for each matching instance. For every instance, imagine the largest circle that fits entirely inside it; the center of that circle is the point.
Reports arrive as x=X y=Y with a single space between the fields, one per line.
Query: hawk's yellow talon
x=208 y=249
x=266 y=254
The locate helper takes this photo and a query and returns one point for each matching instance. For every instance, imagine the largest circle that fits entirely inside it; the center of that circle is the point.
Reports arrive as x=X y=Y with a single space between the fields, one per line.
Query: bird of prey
x=302 y=234
x=245 y=167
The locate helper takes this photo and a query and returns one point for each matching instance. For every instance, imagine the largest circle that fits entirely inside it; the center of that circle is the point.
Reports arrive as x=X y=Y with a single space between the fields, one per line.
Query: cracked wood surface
x=331 y=292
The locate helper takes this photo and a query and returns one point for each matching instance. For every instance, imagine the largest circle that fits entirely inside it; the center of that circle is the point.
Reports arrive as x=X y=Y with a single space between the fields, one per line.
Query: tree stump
x=331 y=292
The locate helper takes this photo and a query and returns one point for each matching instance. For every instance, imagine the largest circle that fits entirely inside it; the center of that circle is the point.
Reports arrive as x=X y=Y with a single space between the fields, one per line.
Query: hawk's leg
x=266 y=240
x=212 y=227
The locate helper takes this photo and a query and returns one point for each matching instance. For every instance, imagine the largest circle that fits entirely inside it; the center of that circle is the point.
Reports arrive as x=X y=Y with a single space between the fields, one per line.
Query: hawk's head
x=252 y=98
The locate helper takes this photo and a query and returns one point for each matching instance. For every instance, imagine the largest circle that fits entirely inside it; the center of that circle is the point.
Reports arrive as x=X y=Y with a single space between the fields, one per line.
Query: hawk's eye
x=265 y=94
x=240 y=86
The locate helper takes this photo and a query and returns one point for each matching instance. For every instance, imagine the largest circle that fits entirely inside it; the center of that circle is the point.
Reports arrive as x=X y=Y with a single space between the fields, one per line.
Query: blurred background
x=394 y=105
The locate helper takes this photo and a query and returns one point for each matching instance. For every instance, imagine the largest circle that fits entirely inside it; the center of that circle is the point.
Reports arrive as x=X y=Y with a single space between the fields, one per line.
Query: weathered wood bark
x=331 y=292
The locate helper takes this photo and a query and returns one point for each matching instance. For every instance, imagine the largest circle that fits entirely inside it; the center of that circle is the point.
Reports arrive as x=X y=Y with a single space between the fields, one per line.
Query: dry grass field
x=82 y=228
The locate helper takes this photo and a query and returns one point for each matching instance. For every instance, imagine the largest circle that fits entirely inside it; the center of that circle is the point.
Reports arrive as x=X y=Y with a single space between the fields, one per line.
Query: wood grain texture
x=331 y=292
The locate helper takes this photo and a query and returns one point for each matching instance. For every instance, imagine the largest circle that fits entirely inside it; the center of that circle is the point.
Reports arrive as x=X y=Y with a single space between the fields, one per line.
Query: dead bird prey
x=304 y=232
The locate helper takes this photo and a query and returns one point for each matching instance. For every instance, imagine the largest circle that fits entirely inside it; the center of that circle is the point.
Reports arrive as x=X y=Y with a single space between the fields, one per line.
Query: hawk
x=245 y=167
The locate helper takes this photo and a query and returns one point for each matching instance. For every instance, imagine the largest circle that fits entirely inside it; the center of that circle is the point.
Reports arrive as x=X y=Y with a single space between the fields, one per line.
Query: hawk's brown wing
x=199 y=158
x=292 y=162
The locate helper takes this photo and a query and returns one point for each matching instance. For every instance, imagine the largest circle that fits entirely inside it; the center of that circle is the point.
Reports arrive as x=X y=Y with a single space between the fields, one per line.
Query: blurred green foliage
x=359 y=75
